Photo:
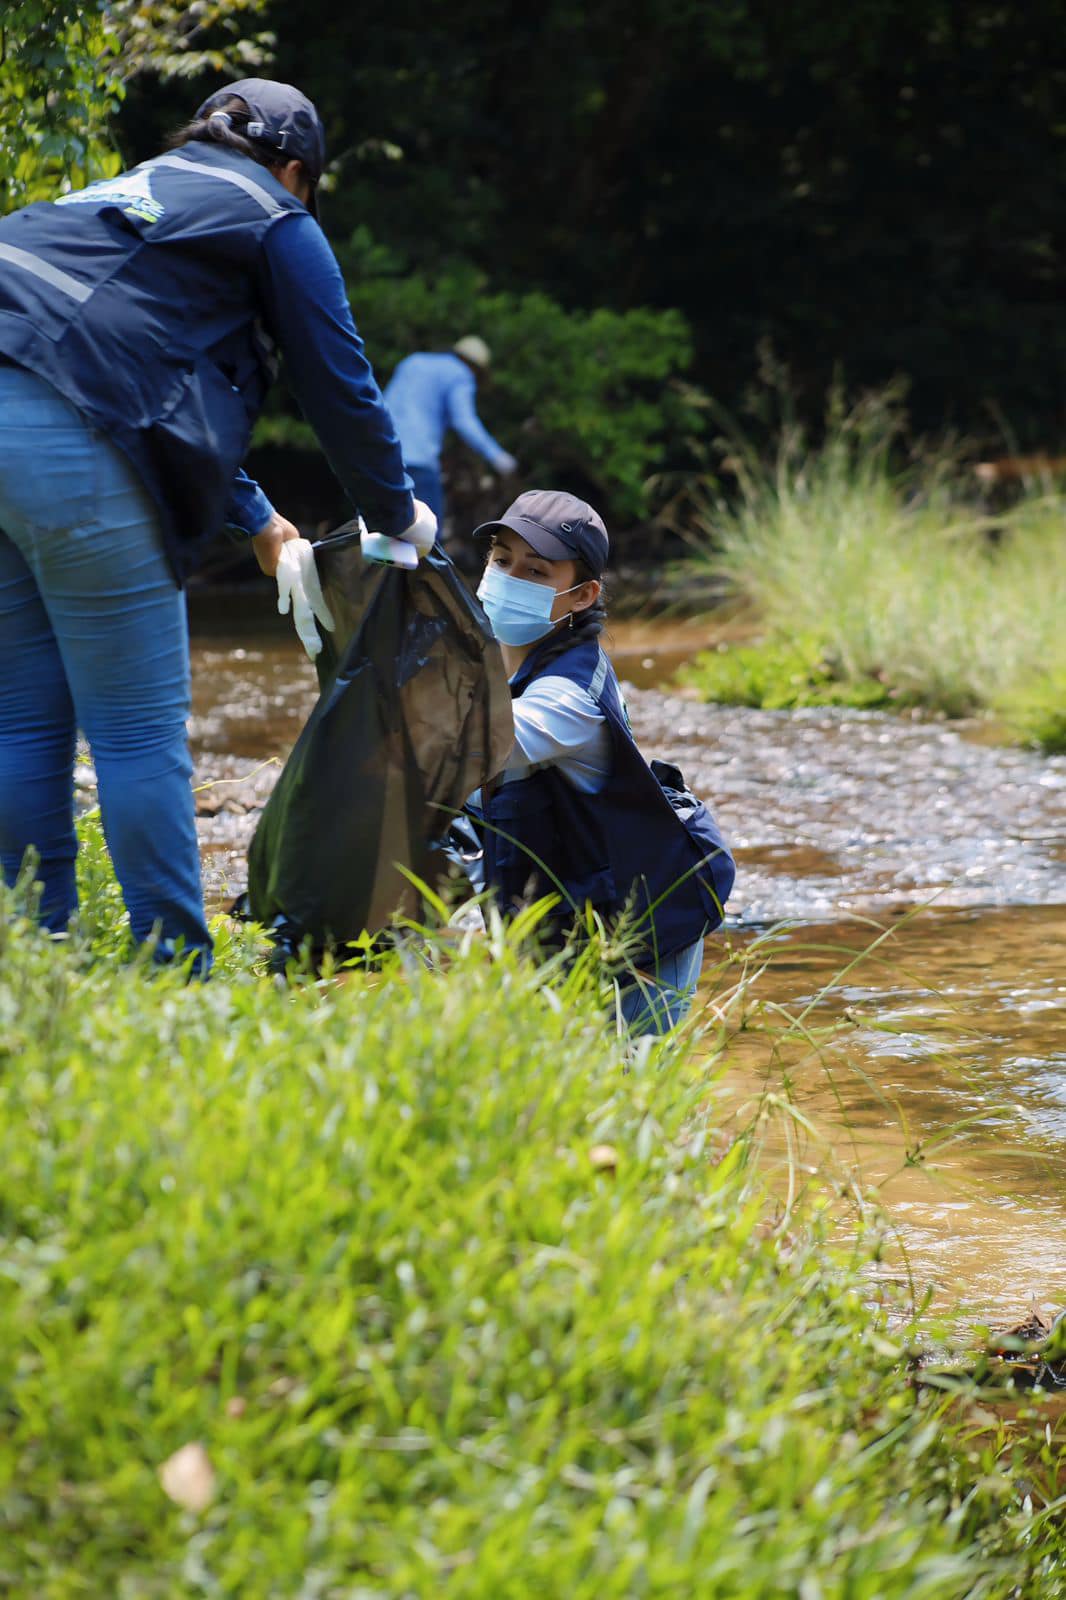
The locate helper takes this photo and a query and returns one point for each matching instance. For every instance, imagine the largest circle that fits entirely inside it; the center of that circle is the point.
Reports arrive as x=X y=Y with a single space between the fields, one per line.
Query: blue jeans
x=93 y=635
x=657 y=1004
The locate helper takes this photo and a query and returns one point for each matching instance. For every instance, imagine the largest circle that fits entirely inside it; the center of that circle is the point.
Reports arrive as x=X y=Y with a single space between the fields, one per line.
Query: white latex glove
x=506 y=465
x=423 y=531
x=298 y=584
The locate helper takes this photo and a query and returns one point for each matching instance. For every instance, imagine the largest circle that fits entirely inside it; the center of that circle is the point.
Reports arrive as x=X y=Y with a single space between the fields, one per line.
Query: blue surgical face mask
x=520 y=611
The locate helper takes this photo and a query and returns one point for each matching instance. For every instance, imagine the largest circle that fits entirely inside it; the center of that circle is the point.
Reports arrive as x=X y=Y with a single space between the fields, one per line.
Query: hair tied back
x=222 y=117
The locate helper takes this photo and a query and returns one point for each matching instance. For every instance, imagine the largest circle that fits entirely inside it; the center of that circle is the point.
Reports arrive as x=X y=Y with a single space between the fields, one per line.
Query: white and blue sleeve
x=559 y=724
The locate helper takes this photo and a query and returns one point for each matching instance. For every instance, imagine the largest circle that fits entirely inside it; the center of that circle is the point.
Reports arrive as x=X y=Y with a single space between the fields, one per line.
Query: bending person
x=577 y=810
x=430 y=392
x=140 y=320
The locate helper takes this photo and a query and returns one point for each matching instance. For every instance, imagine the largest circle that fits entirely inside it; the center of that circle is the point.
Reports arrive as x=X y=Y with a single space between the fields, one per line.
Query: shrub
x=595 y=399
x=780 y=675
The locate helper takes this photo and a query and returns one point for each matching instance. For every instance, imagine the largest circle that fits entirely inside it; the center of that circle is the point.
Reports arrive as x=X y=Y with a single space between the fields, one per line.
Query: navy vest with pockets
x=137 y=300
x=625 y=845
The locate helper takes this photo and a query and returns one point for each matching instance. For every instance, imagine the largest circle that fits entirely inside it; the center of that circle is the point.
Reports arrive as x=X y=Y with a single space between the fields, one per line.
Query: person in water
x=577 y=811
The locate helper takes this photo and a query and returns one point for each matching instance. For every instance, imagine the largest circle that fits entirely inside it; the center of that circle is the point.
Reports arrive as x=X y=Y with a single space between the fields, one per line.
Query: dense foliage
x=64 y=67
x=58 y=87
x=596 y=399
x=876 y=184
x=876 y=187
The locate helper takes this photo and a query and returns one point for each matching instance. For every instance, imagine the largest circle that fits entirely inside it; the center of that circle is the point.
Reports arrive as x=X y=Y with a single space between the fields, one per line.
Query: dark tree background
x=874 y=187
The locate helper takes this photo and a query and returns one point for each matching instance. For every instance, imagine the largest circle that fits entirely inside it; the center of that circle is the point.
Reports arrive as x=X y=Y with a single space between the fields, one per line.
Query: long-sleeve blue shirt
x=307 y=311
x=429 y=393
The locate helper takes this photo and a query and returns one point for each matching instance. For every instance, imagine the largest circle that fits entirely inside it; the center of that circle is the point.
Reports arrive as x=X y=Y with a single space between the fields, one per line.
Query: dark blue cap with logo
x=282 y=119
x=557 y=525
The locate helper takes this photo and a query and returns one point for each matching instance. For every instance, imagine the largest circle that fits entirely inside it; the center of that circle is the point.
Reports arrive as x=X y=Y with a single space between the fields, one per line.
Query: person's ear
x=292 y=175
x=587 y=595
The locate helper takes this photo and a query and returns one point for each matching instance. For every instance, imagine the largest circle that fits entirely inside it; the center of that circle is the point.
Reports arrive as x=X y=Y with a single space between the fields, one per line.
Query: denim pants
x=657 y=1004
x=93 y=634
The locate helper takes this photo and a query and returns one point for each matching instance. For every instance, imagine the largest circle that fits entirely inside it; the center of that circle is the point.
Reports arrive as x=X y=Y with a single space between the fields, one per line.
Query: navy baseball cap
x=281 y=118
x=557 y=525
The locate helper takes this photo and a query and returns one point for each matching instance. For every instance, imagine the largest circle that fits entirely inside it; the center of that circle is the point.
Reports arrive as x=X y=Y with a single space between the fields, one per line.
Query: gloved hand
x=298 y=584
x=506 y=466
x=404 y=551
x=423 y=531
x=390 y=552
x=268 y=541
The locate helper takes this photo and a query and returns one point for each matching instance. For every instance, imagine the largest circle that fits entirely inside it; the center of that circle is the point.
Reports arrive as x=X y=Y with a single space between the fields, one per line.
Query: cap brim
x=539 y=539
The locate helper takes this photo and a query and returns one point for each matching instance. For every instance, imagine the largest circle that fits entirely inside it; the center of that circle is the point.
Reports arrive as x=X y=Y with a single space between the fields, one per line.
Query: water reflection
x=934 y=1072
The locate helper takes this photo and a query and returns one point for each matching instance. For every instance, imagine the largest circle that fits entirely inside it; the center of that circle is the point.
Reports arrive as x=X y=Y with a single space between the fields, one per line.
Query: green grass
x=782 y=674
x=459 y=1296
x=872 y=584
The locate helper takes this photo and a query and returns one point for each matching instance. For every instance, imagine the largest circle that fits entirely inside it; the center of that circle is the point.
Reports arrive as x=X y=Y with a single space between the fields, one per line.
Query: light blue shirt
x=430 y=393
x=558 y=724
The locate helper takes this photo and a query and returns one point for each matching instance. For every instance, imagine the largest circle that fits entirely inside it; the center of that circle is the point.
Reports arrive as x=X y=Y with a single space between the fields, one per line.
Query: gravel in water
x=840 y=810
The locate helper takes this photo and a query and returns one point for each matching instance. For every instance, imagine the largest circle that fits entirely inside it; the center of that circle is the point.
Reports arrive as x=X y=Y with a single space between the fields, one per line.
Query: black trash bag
x=414 y=714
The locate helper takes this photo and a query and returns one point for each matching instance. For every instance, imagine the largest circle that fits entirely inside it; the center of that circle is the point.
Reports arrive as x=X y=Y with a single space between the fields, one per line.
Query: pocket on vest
x=716 y=870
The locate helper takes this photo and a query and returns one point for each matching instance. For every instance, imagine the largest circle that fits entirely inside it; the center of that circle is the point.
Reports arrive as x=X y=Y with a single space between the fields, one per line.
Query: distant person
x=140 y=323
x=430 y=392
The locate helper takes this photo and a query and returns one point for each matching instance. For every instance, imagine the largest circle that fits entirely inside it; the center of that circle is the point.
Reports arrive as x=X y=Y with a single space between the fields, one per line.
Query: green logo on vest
x=130 y=191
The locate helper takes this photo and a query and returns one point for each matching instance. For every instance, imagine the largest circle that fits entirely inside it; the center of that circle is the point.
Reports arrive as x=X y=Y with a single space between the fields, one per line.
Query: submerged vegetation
x=873 y=584
x=419 y=1281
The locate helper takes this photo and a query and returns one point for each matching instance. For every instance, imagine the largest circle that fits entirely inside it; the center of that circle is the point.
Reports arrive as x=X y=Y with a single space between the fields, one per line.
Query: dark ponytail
x=225 y=126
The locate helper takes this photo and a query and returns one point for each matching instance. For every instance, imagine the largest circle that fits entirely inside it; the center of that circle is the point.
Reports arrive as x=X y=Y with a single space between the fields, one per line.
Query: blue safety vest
x=623 y=848
x=136 y=298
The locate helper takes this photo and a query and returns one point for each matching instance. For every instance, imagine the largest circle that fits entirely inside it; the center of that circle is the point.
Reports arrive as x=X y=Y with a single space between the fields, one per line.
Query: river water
x=892 y=978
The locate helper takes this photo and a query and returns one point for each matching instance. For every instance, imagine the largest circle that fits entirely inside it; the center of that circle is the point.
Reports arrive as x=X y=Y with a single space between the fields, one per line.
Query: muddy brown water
x=931 y=1065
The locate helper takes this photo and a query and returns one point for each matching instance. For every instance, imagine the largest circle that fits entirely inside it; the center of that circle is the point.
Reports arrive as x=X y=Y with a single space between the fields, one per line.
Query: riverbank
x=844 y=823
x=874 y=584
x=443 y=1308
x=329 y=1289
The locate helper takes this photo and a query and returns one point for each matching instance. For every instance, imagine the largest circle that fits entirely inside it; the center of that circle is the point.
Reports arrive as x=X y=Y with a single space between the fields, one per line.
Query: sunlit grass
x=876 y=584
x=455 y=1292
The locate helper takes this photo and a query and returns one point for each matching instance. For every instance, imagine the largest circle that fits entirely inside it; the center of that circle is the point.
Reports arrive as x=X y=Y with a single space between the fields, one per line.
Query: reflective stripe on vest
x=44 y=270
x=254 y=190
x=80 y=292
x=155 y=346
